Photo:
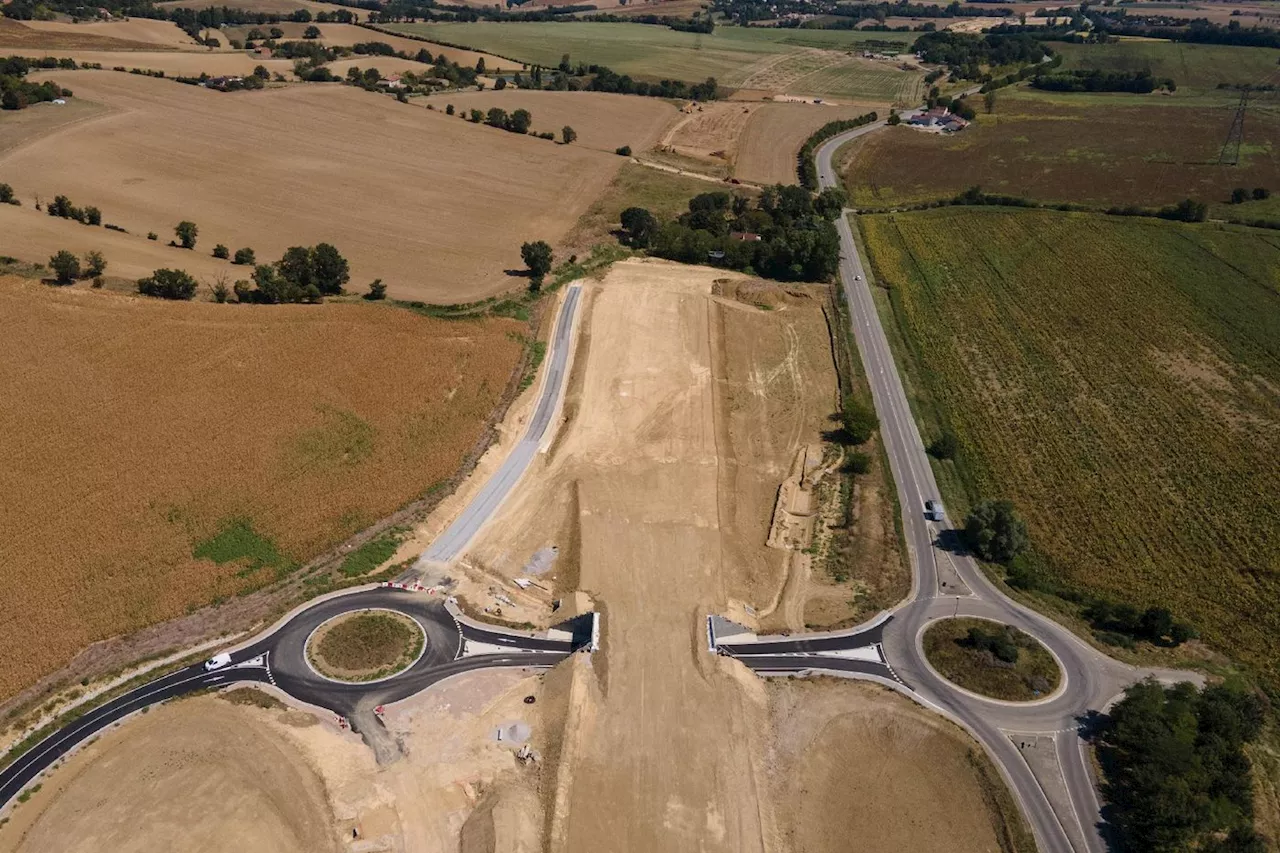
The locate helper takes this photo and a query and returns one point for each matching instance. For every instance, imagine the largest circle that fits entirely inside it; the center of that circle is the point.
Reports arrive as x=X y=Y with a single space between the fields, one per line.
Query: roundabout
x=366 y=646
x=992 y=660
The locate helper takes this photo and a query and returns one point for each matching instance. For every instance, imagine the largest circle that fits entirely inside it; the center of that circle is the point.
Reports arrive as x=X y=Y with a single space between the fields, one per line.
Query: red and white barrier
x=409 y=587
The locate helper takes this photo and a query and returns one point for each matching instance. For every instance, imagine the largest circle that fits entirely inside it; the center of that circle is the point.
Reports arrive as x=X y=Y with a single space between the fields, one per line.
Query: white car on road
x=217 y=662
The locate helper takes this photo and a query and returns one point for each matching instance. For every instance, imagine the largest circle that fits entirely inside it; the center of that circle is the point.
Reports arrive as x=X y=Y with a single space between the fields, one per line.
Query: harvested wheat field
x=159 y=33
x=22 y=126
x=775 y=132
x=345 y=35
x=193 y=776
x=186 y=63
x=140 y=430
x=855 y=767
x=434 y=206
x=603 y=121
x=22 y=36
x=269 y=7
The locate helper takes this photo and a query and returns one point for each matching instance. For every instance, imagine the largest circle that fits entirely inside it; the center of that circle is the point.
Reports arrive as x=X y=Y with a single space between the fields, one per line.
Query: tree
x=244 y=257
x=168 y=284
x=564 y=66
x=94 y=264
x=377 y=291
x=476 y=116
x=65 y=266
x=261 y=72
x=519 y=121
x=537 y=257
x=1261 y=193
x=187 y=233
x=243 y=291
x=6 y=194
x=1239 y=195
x=995 y=531
x=858 y=419
x=296 y=266
x=989 y=101
x=640 y=226
x=311 y=32
x=221 y=251
x=568 y=134
x=276 y=33
x=480 y=65
x=330 y=270
x=448 y=110
x=92 y=216
x=623 y=151
x=830 y=203
x=894 y=118
x=945 y=446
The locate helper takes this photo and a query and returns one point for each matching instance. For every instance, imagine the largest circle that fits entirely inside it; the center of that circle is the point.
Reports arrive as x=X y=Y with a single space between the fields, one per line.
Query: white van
x=217 y=662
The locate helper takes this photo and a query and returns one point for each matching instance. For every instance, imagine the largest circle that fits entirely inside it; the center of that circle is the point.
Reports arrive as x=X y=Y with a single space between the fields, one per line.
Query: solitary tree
x=377 y=290
x=623 y=151
x=858 y=419
x=499 y=84
x=537 y=257
x=640 y=225
x=94 y=264
x=6 y=194
x=480 y=65
x=568 y=134
x=65 y=266
x=244 y=256
x=448 y=110
x=168 y=284
x=1239 y=195
x=221 y=251
x=311 y=32
x=995 y=531
x=187 y=232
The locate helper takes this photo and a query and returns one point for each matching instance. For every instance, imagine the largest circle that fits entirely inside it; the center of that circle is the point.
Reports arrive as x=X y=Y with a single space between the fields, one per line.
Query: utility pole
x=1230 y=155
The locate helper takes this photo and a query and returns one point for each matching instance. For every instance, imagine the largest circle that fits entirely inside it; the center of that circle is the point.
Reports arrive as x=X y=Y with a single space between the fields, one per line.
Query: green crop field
x=1119 y=380
x=1092 y=149
x=800 y=62
x=1194 y=67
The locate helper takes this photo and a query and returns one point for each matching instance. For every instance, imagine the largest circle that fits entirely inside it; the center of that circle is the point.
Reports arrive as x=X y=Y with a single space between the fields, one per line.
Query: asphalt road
x=457 y=535
x=946 y=583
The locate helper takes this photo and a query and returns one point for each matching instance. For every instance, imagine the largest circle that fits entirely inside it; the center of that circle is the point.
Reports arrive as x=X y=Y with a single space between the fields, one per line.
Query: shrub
x=1261 y=193
x=624 y=151
x=221 y=292
x=65 y=266
x=94 y=264
x=168 y=284
x=151 y=235
x=857 y=463
x=6 y=195
x=221 y=251
x=244 y=256
x=92 y=216
x=186 y=232
x=945 y=446
x=377 y=290
x=448 y=110
x=568 y=134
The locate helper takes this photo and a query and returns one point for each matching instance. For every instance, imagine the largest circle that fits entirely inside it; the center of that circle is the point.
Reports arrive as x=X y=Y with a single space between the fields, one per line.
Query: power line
x=1230 y=154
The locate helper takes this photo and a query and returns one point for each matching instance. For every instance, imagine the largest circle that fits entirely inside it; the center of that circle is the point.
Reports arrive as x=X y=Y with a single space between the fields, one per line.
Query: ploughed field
x=435 y=206
x=1119 y=380
x=160 y=456
x=799 y=62
x=1100 y=150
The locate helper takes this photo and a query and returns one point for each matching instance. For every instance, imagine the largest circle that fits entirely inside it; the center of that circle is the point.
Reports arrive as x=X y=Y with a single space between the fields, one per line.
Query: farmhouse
x=392 y=82
x=939 y=117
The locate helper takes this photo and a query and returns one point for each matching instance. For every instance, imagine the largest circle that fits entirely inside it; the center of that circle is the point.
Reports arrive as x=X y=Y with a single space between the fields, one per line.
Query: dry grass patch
x=434 y=206
x=603 y=121
x=140 y=432
x=857 y=767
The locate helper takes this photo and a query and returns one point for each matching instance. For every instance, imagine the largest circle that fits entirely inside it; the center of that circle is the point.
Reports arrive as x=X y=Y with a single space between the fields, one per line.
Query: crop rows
x=1120 y=381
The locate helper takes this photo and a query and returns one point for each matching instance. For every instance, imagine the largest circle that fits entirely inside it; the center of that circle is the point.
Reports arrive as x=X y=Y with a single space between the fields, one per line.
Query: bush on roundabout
x=991 y=659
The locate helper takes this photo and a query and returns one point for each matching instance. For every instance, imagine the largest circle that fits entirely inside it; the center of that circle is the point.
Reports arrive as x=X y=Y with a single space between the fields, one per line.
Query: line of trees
x=806 y=169
x=1176 y=773
x=786 y=234
x=303 y=274
x=67 y=268
x=1096 y=80
x=583 y=77
x=17 y=93
x=62 y=207
x=1187 y=210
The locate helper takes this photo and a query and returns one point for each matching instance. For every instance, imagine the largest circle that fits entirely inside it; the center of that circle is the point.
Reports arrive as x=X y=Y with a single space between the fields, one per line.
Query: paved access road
x=1059 y=798
x=458 y=535
x=454 y=643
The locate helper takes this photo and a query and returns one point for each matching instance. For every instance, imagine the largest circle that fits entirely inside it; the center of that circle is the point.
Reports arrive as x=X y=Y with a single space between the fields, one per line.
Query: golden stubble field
x=435 y=206
x=136 y=428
